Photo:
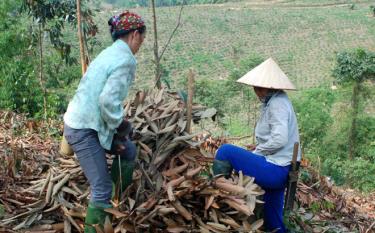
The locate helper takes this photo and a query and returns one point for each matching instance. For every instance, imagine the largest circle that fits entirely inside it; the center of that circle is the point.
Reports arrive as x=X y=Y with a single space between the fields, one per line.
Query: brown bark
x=189 y=104
x=156 y=47
x=80 y=37
x=41 y=78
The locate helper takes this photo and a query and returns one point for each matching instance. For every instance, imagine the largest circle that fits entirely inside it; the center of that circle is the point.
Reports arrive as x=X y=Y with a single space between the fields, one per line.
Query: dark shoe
x=222 y=168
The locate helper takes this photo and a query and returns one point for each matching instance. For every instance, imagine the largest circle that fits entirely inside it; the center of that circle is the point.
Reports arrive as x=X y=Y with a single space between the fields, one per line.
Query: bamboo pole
x=80 y=37
x=189 y=104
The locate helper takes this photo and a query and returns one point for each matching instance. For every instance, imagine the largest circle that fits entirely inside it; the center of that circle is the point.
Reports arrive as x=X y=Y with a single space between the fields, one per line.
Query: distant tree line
x=160 y=3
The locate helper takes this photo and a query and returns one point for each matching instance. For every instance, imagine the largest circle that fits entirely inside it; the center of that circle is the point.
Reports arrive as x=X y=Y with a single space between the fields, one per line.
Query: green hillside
x=222 y=41
x=303 y=36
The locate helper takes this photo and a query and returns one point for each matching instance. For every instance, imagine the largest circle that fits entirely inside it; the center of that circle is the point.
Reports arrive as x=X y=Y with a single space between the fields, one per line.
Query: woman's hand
x=250 y=147
x=125 y=129
x=118 y=144
x=123 y=132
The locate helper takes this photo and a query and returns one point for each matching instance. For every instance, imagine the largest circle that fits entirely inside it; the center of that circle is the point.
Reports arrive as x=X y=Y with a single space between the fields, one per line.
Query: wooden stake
x=80 y=37
x=41 y=78
x=156 y=47
x=189 y=105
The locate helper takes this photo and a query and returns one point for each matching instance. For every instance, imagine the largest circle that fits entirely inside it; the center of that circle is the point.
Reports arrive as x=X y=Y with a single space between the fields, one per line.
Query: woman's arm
x=113 y=94
x=278 y=122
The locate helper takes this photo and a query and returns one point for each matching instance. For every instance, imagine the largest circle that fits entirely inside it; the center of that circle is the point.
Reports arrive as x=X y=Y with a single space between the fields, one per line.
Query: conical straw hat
x=267 y=75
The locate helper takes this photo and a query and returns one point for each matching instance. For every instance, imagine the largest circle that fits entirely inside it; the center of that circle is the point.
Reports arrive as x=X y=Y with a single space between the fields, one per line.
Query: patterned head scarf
x=125 y=22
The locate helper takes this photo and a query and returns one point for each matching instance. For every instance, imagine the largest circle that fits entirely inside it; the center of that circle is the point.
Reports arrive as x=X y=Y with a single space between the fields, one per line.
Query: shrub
x=313 y=109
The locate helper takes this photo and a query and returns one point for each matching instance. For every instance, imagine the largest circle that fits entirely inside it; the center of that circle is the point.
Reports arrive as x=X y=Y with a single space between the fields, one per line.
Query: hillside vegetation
x=301 y=36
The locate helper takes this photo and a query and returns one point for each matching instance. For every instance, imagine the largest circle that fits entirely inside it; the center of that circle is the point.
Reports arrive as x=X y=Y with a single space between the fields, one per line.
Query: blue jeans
x=270 y=177
x=91 y=156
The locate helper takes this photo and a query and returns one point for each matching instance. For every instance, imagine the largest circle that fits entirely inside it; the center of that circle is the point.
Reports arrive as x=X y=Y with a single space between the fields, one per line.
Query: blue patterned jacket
x=98 y=101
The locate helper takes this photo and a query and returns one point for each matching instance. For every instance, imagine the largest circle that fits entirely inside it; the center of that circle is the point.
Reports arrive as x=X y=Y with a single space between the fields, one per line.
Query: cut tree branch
x=174 y=31
x=159 y=57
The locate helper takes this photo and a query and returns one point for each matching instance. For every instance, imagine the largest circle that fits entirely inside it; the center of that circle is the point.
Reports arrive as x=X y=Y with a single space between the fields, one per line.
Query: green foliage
x=315 y=207
x=211 y=94
x=365 y=138
x=372 y=10
x=19 y=90
x=358 y=66
x=221 y=94
x=291 y=221
x=245 y=66
x=313 y=109
x=52 y=16
x=357 y=173
x=237 y=125
x=324 y=129
x=232 y=100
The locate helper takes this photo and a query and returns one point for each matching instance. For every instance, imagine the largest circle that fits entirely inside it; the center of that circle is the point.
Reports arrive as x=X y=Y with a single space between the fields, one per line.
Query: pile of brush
x=173 y=189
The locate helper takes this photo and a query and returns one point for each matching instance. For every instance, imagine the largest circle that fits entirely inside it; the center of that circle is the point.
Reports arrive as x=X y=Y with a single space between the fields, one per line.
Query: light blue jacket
x=98 y=101
x=277 y=130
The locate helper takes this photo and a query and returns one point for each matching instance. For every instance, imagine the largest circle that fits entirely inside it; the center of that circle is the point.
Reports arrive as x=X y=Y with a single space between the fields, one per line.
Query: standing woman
x=94 y=121
x=276 y=132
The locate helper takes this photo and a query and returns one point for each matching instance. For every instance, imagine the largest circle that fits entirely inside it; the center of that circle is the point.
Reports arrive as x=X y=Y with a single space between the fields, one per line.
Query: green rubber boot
x=222 y=168
x=123 y=179
x=96 y=215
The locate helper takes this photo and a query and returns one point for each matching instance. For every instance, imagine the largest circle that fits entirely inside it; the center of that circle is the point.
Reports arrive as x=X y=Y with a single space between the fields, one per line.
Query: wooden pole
x=41 y=78
x=189 y=104
x=80 y=37
x=156 y=47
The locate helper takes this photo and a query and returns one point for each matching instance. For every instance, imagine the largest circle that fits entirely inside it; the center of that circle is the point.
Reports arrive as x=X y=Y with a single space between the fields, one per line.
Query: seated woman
x=276 y=132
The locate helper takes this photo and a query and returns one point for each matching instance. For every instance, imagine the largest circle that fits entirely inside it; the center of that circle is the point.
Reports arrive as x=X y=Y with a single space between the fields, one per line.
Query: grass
x=303 y=37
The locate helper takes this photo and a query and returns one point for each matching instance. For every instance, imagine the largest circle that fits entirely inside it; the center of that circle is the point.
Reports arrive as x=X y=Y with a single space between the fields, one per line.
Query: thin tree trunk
x=80 y=37
x=41 y=79
x=353 y=128
x=190 y=100
x=87 y=53
x=156 y=47
x=158 y=56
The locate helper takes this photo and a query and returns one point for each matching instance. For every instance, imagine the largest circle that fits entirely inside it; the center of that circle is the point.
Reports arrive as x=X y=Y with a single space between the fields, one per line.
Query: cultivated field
x=303 y=36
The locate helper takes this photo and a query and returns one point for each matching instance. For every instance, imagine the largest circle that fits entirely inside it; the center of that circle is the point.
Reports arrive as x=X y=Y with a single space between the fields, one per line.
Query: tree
x=55 y=13
x=354 y=67
x=49 y=18
x=80 y=37
x=159 y=55
x=18 y=89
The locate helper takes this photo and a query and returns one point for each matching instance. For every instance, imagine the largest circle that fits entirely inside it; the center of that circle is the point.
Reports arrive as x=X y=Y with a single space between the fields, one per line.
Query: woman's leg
x=267 y=175
x=91 y=156
x=270 y=177
x=273 y=209
x=123 y=166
